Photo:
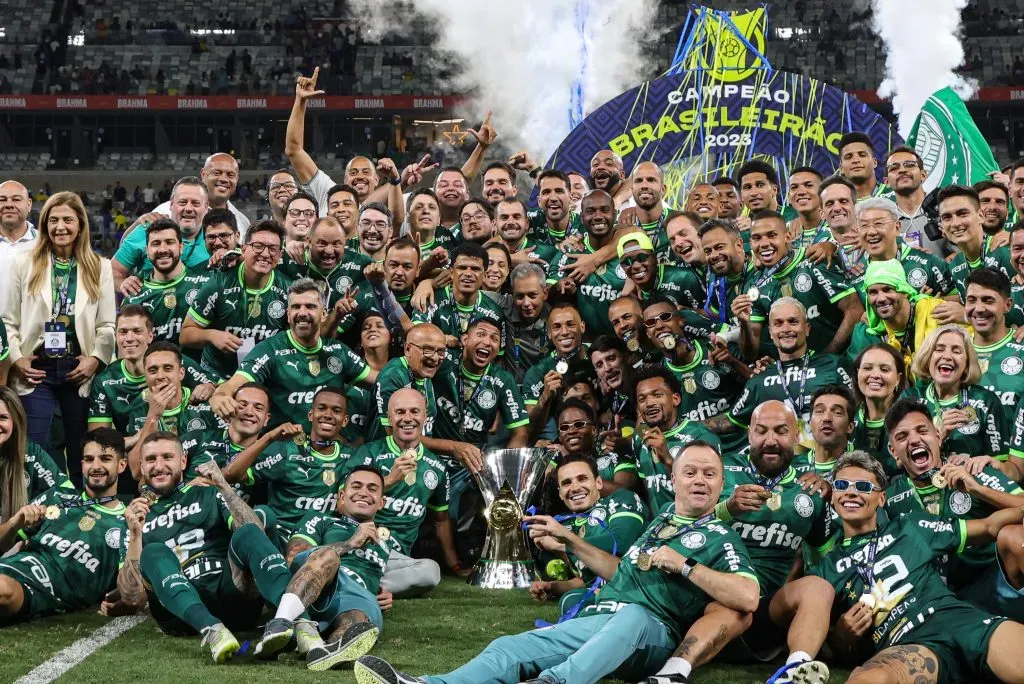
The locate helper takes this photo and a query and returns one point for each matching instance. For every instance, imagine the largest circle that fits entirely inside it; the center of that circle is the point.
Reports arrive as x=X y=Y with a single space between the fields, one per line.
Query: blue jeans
x=630 y=643
x=40 y=404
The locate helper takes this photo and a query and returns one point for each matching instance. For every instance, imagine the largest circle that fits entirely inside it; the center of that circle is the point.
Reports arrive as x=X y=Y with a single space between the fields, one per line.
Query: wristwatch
x=688 y=565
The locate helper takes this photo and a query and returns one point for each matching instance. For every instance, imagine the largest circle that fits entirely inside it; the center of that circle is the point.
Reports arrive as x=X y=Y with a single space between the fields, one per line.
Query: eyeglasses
x=638 y=259
x=574 y=425
x=895 y=166
x=287 y=185
x=260 y=247
x=477 y=217
x=880 y=224
x=428 y=352
x=862 y=486
x=215 y=238
x=296 y=213
x=664 y=317
x=379 y=225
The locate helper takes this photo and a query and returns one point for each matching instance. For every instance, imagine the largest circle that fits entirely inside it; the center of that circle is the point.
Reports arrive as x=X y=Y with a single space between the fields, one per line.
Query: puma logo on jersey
x=124 y=399
x=294 y=365
x=232 y=303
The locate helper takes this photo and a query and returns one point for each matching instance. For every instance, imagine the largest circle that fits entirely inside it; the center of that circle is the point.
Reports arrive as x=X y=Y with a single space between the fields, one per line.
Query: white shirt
x=7 y=251
x=240 y=218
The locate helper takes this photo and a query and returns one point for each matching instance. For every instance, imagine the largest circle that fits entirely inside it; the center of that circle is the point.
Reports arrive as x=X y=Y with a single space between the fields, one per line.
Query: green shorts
x=217 y=591
x=958 y=635
x=35 y=579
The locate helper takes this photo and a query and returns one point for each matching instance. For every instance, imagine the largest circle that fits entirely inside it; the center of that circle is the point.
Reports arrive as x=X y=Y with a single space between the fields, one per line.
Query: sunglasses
x=664 y=316
x=630 y=260
x=862 y=486
x=574 y=425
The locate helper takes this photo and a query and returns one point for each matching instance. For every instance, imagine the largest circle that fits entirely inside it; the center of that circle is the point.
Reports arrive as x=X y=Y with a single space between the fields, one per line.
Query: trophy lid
x=518 y=471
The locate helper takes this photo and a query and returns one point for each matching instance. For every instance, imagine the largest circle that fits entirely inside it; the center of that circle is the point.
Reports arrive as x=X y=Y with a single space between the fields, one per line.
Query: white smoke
x=923 y=50
x=520 y=58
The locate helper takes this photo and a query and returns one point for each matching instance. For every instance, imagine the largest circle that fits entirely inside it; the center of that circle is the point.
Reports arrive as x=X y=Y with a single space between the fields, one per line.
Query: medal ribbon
x=718 y=287
x=99 y=501
x=619 y=402
x=771 y=271
x=822 y=224
x=798 y=403
x=866 y=570
x=653 y=536
x=768 y=483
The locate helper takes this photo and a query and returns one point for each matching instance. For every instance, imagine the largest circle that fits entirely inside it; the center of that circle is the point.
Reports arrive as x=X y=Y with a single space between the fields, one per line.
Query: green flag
x=953 y=149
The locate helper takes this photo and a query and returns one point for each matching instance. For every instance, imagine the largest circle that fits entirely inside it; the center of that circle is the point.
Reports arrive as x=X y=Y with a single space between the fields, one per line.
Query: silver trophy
x=507 y=480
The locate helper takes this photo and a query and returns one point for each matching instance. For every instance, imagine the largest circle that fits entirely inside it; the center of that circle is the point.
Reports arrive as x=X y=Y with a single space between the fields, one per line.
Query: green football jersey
x=923 y=269
x=443 y=237
x=1017 y=433
x=960 y=268
x=334 y=284
x=904 y=563
x=224 y=303
x=609 y=463
x=365 y=564
x=453 y=318
x=732 y=288
x=671 y=598
x=114 y=389
x=405 y=505
x=794 y=385
x=203 y=446
x=195 y=523
x=541 y=233
x=904 y=496
x=708 y=388
x=656 y=476
x=5 y=347
x=681 y=285
x=72 y=559
x=359 y=402
x=392 y=377
x=41 y=472
x=774 y=534
x=818 y=288
x=299 y=480
x=613 y=524
x=547 y=253
x=655 y=230
x=469 y=404
x=293 y=374
x=167 y=303
x=1001 y=366
x=1016 y=315
x=184 y=417
x=579 y=368
x=807 y=463
x=989 y=434
x=595 y=294
x=872 y=437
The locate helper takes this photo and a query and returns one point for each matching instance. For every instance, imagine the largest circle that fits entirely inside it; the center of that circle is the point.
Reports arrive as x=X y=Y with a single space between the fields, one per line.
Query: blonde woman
x=970 y=418
x=59 y=313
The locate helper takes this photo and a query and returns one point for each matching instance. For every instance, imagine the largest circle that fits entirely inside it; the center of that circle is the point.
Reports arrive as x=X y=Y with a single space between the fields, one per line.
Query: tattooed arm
x=129 y=577
x=366 y=532
x=241 y=513
x=295 y=546
x=720 y=424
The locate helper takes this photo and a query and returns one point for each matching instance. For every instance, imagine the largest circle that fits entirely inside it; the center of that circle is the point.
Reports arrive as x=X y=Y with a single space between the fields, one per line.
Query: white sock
x=678 y=666
x=290 y=607
x=794 y=657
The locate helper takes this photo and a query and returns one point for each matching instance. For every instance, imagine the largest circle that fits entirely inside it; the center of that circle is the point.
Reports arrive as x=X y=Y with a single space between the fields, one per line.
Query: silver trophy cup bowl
x=507 y=481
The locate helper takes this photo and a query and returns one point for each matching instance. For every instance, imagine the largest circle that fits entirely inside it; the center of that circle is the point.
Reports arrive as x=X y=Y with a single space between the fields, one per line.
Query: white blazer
x=25 y=314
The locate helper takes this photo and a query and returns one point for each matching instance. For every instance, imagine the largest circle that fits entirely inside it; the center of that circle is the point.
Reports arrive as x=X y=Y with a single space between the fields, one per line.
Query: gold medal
x=971 y=413
x=775 y=501
x=255 y=308
x=52 y=512
x=938 y=481
x=690 y=385
x=643 y=561
x=411 y=453
x=150 y=496
x=633 y=344
x=170 y=301
x=314 y=366
x=668 y=342
x=562 y=366
x=868 y=600
x=754 y=293
x=64 y=320
x=383 y=533
x=86 y=523
x=299 y=439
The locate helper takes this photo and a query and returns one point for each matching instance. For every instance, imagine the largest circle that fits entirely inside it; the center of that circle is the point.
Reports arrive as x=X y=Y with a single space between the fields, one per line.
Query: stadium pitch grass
x=422 y=636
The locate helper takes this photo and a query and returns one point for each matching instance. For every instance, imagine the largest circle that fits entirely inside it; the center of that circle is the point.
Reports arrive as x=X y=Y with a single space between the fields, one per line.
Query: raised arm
x=241 y=513
x=295 y=133
x=236 y=469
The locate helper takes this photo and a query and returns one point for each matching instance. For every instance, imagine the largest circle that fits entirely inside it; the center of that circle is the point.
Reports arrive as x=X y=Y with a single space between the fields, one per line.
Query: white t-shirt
x=318 y=186
x=8 y=250
x=240 y=218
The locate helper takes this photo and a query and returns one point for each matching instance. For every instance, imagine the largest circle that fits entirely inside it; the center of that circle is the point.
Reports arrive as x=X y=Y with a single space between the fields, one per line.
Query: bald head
x=647 y=169
x=15 y=205
x=424 y=333
x=774 y=433
x=424 y=349
x=220 y=176
x=407 y=412
x=406 y=396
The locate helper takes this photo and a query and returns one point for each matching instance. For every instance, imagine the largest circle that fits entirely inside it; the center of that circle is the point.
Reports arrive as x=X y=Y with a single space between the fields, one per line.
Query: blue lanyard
x=718 y=287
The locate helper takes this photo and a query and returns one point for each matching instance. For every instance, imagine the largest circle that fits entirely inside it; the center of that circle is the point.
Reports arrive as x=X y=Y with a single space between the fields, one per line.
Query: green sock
x=162 y=571
x=253 y=551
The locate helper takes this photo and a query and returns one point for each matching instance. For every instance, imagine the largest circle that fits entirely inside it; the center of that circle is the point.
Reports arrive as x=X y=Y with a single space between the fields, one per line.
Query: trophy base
x=495 y=574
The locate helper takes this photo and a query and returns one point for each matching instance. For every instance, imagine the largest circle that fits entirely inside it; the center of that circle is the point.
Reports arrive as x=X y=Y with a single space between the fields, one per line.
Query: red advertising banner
x=424 y=103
